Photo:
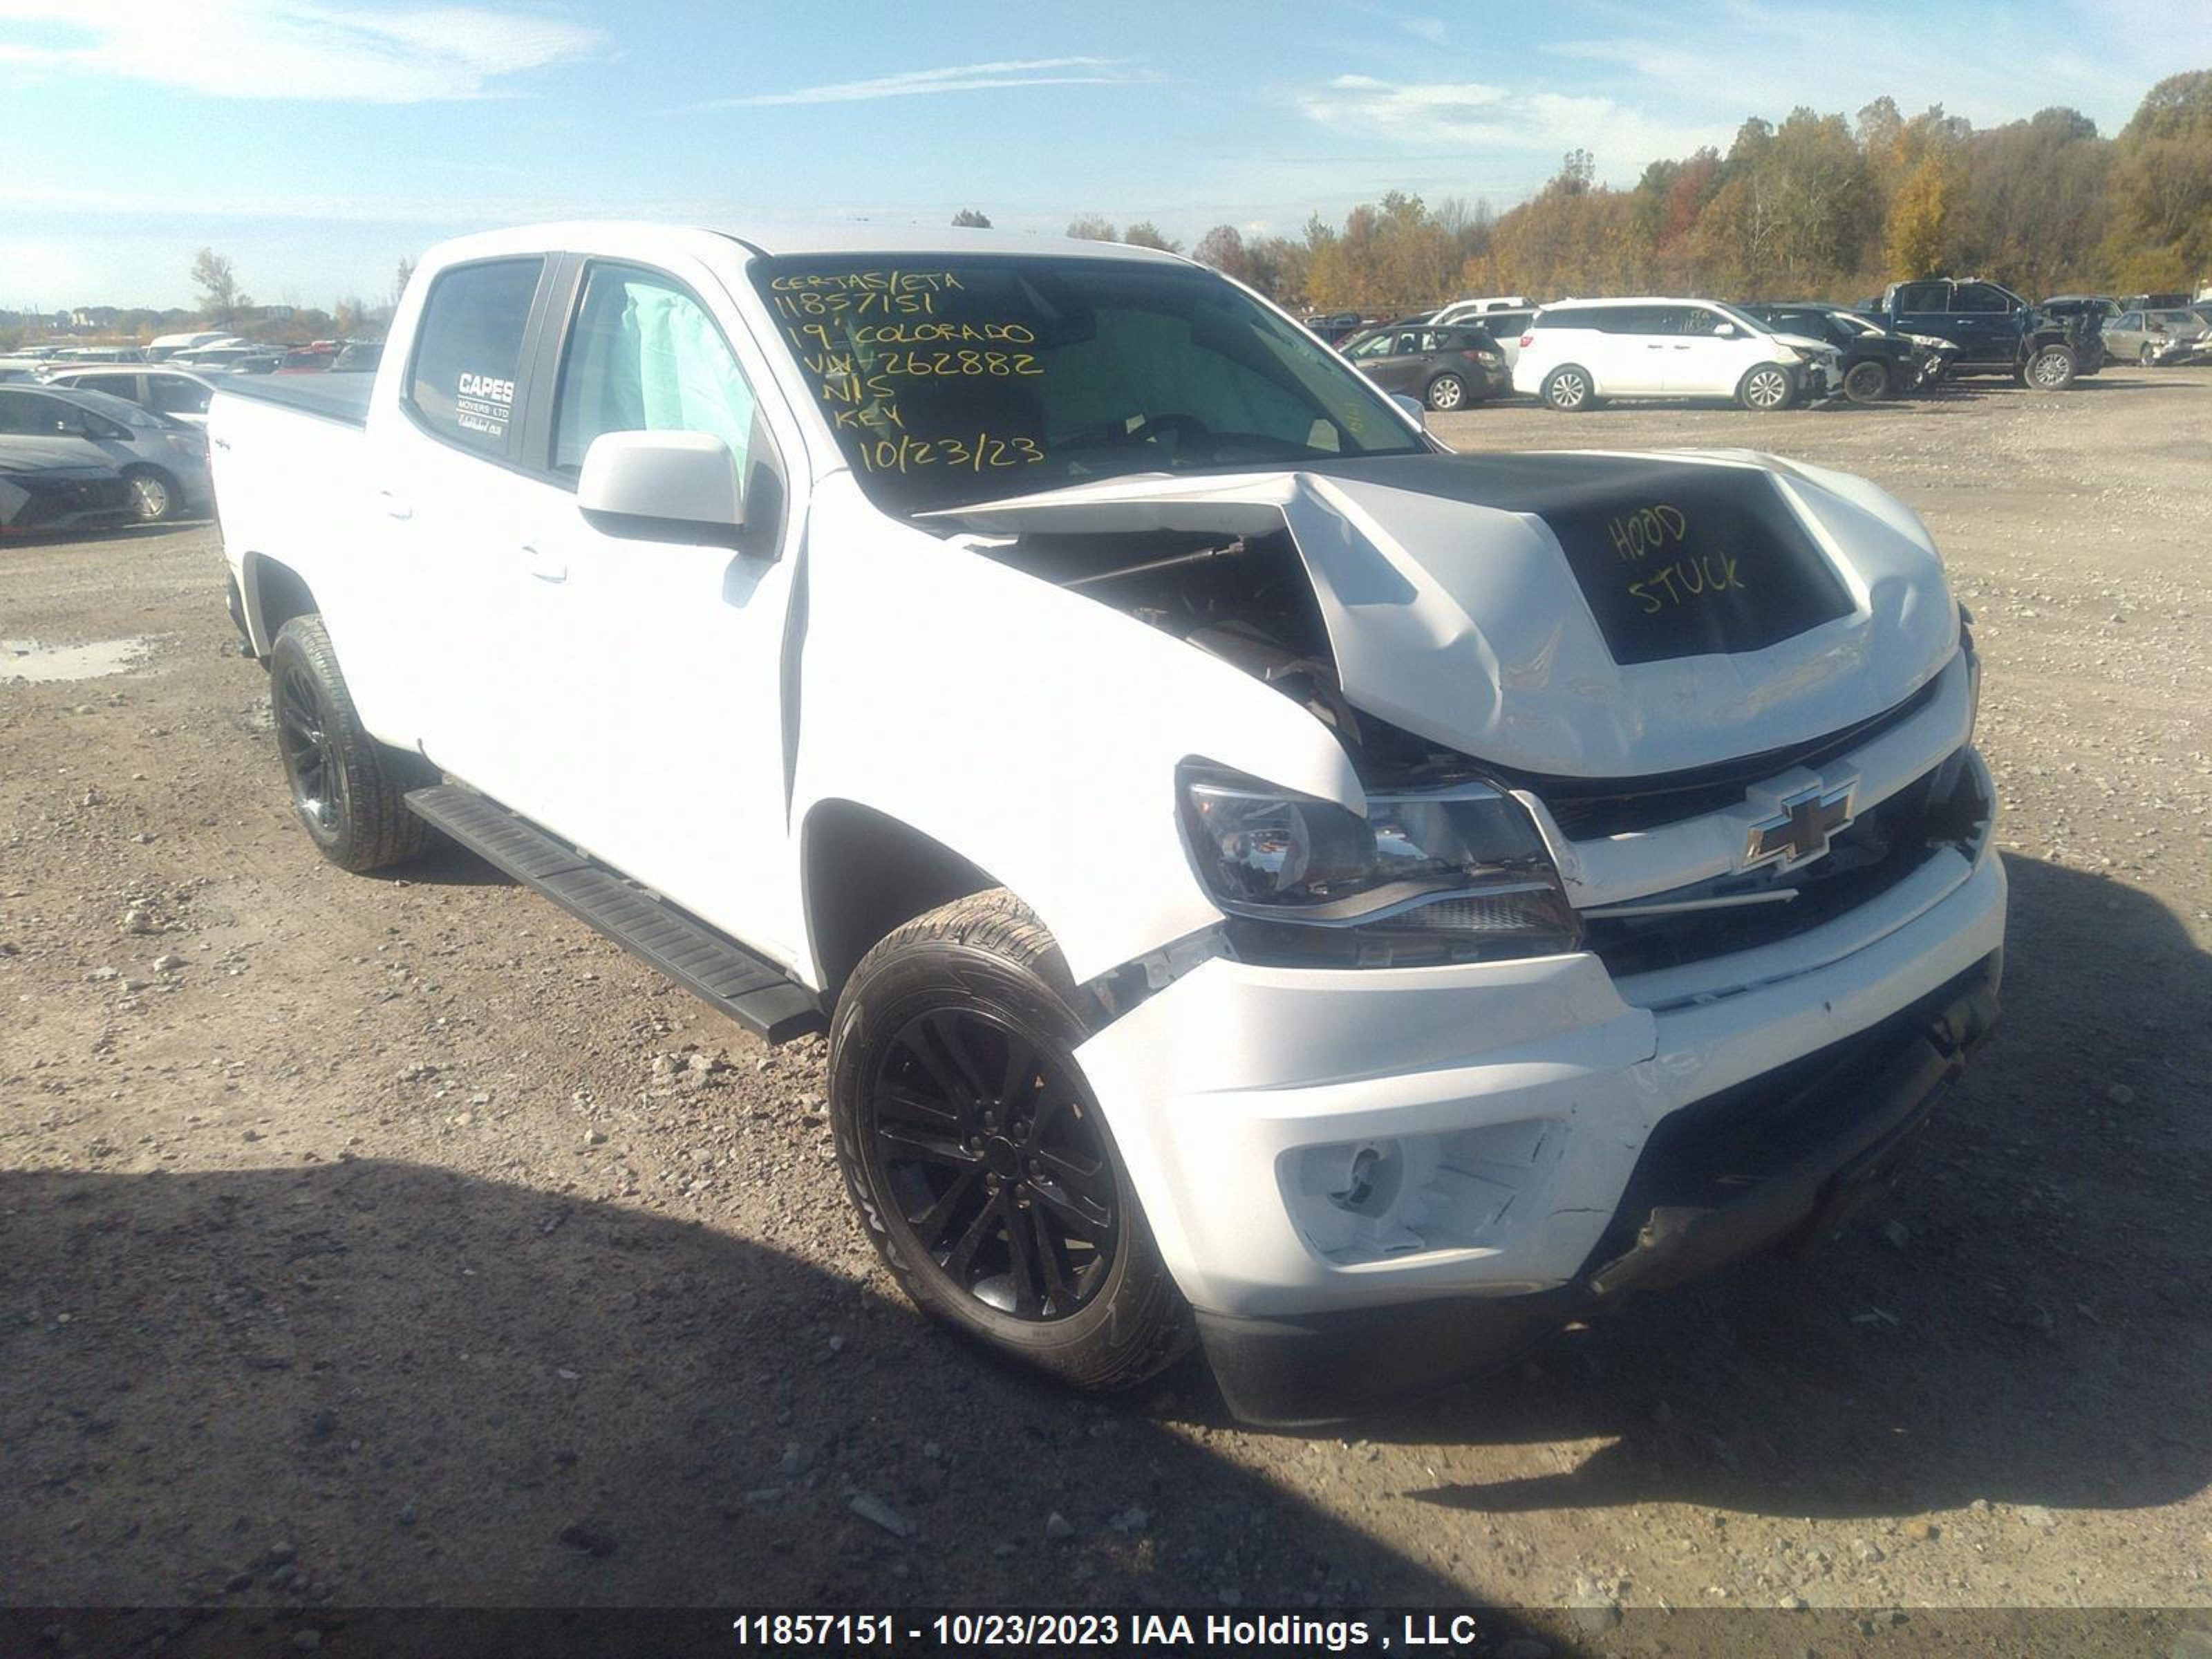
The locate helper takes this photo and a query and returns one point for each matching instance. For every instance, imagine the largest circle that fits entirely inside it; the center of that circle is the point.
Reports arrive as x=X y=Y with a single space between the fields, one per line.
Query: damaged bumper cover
x=1783 y=1160
x=1371 y=1183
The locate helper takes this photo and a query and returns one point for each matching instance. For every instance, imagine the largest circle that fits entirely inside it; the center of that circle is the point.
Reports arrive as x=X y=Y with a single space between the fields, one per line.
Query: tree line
x=1820 y=205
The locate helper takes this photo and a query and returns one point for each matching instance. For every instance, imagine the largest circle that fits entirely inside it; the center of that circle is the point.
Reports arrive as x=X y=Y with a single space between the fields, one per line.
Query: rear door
x=1624 y=352
x=445 y=629
x=1392 y=360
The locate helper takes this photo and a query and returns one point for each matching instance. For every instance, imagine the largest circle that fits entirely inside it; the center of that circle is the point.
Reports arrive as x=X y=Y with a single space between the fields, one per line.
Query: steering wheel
x=1189 y=425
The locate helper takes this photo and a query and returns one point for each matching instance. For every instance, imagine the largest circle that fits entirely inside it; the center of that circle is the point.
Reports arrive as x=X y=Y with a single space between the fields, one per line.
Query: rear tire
x=1447 y=392
x=1867 y=383
x=1764 y=388
x=1567 y=389
x=983 y=1170
x=347 y=788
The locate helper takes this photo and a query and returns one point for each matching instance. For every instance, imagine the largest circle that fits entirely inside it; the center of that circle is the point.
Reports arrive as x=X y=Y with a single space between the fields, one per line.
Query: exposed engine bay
x=1249 y=601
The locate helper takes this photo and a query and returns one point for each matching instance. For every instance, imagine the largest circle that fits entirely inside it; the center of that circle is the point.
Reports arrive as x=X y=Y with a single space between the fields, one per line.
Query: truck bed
x=340 y=398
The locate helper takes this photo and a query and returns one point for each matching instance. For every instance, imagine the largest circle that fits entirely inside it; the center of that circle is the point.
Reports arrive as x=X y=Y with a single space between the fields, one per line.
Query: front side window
x=30 y=416
x=958 y=380
x=1983 y=297
x=645 y=356
x=468 y=352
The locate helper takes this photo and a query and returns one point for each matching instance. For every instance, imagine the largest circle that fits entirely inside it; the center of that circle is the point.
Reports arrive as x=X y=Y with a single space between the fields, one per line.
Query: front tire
x=153 y=496
x=1567 y=389
x=348 y=789
x=983 y=1170
x=1764 y=388
x=1867 y=383
x=1447 y=392
x=2051 y=369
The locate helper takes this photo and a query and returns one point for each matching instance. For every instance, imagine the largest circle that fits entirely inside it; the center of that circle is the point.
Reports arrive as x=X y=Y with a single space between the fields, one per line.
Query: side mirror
x=1725 y=331
x=662 y=486
x=1413 y=407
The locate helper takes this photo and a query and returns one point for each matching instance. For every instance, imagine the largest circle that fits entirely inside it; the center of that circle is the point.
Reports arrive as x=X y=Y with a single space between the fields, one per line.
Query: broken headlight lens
x=1456 y=874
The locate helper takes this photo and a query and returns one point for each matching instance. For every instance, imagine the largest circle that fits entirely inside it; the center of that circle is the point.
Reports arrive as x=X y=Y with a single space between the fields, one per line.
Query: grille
x=1945 y=807
x=1584 y=808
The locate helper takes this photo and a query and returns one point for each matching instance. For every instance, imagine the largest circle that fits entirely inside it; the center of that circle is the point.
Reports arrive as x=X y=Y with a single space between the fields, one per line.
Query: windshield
x=966 y=380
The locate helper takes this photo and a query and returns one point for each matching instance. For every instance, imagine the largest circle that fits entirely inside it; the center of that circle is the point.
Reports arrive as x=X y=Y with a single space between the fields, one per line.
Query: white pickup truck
x=1266 y=879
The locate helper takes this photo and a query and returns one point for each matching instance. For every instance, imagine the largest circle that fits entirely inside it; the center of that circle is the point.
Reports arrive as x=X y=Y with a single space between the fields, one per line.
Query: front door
x=660 y=725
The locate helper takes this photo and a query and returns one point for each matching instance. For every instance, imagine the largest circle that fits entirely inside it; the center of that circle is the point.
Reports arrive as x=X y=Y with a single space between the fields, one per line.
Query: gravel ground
x=374 y=1241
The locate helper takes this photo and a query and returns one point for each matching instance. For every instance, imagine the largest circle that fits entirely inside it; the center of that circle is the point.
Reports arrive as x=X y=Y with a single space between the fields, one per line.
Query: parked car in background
x=1992 y=330
x=2156 y=338
x=2153 y=301
x=238 y=359
x=101 y=354
x=1578 y=353
x=1444 y=368
x=306 y=360
x=1336 y=326
x=1482 y=307
x=165 y=346
x=176 y=392
x=357 y=357
x=164 y=461
x=1876 y=363
x=43 y=491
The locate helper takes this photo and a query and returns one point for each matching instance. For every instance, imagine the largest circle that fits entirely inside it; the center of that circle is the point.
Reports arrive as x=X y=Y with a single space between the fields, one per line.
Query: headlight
x=1452 y=874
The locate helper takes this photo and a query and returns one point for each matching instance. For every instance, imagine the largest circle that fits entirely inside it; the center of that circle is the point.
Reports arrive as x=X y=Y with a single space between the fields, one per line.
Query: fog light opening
x=1370 y=1180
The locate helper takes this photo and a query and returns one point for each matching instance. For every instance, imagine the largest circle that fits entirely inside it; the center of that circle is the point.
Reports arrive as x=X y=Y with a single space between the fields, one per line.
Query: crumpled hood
x=1580 y=614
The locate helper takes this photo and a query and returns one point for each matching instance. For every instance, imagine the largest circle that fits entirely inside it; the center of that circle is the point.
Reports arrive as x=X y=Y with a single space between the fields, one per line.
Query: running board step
x=750 y=990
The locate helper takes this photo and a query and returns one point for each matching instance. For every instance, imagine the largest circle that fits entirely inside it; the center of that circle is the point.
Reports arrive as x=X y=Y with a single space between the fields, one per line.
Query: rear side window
x=468 y=352
x=173 y=394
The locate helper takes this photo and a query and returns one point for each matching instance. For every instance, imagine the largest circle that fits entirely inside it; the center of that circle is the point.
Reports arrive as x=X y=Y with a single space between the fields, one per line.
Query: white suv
x=1577 y=352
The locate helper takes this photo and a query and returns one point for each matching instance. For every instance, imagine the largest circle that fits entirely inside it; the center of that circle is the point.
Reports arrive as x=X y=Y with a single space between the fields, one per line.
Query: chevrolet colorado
x=1266 y=880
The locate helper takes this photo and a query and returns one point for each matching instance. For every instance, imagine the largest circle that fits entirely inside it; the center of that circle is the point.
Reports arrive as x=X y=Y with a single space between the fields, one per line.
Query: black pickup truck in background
x=1995 y=331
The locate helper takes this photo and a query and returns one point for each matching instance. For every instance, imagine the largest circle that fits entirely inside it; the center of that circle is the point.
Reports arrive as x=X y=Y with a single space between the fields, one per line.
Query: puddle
x=29 y=659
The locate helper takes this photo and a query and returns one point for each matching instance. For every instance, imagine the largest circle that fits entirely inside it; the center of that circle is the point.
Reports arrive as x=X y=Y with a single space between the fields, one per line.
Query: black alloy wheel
x=312 y=763
x=994 y=1163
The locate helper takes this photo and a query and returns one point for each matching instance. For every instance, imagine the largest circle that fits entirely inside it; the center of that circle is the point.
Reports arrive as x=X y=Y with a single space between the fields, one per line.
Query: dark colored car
x=1996 y=331
x=1876 y=363
x=41 y=493
x=1445 y=368
x=1336 y=326
x=306 y=360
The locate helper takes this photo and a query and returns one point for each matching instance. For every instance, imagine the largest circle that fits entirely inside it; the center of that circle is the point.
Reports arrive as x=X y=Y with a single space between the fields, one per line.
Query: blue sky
x=317 y=140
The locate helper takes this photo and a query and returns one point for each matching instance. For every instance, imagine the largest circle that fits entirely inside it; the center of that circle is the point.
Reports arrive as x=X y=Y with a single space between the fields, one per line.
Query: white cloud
x=293 y=49
x=1475 y=116
x=961 y=77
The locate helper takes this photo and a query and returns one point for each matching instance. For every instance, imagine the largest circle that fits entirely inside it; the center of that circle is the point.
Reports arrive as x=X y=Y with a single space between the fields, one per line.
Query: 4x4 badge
x=1803 y=829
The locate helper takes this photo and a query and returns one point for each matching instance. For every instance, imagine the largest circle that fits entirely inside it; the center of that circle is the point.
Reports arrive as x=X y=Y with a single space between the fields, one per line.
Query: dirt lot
x=376 y=1242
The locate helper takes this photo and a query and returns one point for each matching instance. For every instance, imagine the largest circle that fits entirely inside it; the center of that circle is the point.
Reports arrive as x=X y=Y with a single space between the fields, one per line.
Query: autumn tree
x=1147 y=234
x=220 y=298
x=970 y=219
x=1223 y=248
x=1089 y=227
x=2161 y=233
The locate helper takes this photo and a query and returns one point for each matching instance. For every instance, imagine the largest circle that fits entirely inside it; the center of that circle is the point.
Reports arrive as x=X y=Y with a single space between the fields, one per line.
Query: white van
x=1577 y=353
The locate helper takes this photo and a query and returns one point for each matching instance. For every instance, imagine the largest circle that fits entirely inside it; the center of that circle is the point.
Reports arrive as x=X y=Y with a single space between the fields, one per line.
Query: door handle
x=394 y=508
x=543 y=566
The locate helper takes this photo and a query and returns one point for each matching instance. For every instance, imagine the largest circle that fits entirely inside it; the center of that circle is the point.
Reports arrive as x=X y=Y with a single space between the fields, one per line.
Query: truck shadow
x=2030 y=1327
x=373 y=1383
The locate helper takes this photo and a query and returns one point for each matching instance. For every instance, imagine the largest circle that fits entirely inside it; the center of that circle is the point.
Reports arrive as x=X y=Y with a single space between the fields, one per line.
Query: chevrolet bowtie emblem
x=1802 y=830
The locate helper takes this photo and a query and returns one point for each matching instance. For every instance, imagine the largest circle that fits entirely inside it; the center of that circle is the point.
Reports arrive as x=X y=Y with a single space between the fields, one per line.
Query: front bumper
x=1785 y=1158
x=1312 y=1146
